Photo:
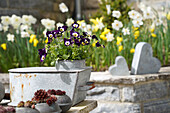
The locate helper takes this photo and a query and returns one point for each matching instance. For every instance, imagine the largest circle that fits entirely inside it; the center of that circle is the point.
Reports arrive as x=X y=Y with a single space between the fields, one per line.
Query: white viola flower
x=126 y=31
x=100 y=25
x=89 y=29
x=69 y=21
x=117 y=25
x=132 y=14
x=63 y=8
x=109 y=37
x=59 y=24
x=148 y=13
x=83 y=26
x=48 y=24
x=108 y=9
x=5 y=20
x=25 y=34
x=116 y=14
x=28 y=19
x=137 y=23
x=10 y=37
x=1 y=27
x=158 y=22
x=5 y=28
x=16 y=21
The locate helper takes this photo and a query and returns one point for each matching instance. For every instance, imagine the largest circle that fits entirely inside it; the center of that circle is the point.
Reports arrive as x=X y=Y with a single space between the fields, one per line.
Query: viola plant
x=68 y=43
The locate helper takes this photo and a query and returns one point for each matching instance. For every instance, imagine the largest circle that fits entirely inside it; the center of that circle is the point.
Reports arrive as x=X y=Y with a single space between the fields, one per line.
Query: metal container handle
x=89 y=85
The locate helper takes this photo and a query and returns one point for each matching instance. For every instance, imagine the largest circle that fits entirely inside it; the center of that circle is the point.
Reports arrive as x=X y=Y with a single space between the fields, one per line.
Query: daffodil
x=32 y=37
x=106 y=31
x=135 y=28
x=35 y=42
x=109 y=37
x=80 y=21
x=168 y=16
x=120 y=48
x=94 y=43
x=132 y=50
x=46 y=41
x=3 y=46
x=103 y=37
x=152 y=30
x=153 y=35
x=136 y=34
x=119 y=40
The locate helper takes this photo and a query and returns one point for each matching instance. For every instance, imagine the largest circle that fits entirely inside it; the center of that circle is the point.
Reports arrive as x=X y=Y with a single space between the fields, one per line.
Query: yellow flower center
x=67 y=43
x=75 y=34
x=61 y=29
x=50 y=35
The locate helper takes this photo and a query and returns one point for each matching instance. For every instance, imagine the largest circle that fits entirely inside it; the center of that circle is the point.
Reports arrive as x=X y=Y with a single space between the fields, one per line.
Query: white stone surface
x=120 y=67
x=143 y=60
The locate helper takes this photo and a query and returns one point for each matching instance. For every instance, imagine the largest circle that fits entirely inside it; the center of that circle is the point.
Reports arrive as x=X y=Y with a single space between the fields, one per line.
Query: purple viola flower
x=43 y=54
x=50 y=34
x=75 y=25
x=74 y=34
x=77 y=42
x=94 y=37
x=99 y=45
x=85 y=33
x=57 y=33
x=67 y=42
x=85 y=41
x=62 y=29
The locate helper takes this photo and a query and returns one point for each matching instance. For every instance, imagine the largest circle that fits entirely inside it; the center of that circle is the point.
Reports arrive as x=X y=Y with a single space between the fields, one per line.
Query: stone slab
x=83 y=107
x=107 y=93
x=159 y=106
x=107 y=78
x=120 y=67
x=117 y=107
x=143 y=60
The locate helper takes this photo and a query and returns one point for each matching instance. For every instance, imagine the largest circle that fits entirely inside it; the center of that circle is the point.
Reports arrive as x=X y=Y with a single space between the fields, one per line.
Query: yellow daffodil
x=106 y=31
x=120 y=48
x=46 y=40
x=32 y=37
x=95 y=28
x=103 y=37
x=80 y=21
x=168 y=16
x=3 y=46
x=152 y=30
x=97 y=20
x=153 y=35
x=132 y=50
x=119 y=40
x=94 y=44
x=136 y=34
x=135 y=28
x=35 y=42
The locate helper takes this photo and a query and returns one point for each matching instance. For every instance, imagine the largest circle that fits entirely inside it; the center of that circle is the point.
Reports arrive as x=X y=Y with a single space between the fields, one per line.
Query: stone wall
x=131 y=94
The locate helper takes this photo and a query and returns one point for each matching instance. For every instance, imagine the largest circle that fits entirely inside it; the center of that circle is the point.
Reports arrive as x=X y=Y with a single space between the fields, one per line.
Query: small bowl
x=45 y=108
x=26 y=110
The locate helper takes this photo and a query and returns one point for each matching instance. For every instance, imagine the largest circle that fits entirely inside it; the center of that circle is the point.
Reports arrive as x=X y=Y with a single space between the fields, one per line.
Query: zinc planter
x=69 y=65
x=25 y=81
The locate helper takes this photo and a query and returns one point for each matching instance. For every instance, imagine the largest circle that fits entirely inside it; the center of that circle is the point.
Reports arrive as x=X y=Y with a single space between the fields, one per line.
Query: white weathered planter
x=25 y=81
x=69 y=65
x=45 y=108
